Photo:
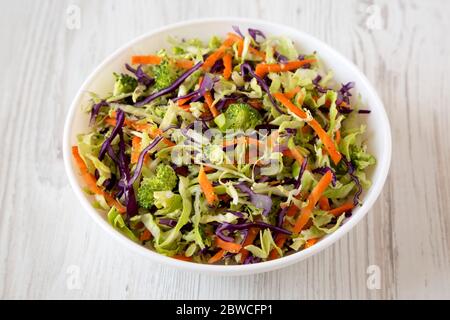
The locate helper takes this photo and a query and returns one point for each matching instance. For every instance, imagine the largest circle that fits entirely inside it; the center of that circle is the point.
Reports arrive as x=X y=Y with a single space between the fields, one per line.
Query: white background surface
x=49 y=248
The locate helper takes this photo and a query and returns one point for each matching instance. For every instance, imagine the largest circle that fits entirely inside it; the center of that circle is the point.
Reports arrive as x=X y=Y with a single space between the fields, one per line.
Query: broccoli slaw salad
x=237 y=150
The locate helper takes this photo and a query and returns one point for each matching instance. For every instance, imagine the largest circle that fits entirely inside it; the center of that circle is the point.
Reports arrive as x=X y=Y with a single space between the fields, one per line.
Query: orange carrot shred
x=323 y=136
x=344 y=208
x=92 y=182
x=145 y=235
x=311 y=242
x=251 y=236
x=218 y=54
x=227 y=62
x=323 y=203
x=292 y=93
x=183 y=101
x=206 y=187
x=337 y=138
x=228 y=246
x=209 y=102
x=182 y=257
x=263 y=68
x=313 y=198
x=184 y=63
x=135 y=149
x=217 y=257
x=146 y=59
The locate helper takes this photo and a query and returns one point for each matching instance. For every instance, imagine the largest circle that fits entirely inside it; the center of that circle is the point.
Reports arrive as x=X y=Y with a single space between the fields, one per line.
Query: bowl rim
x=369 y=198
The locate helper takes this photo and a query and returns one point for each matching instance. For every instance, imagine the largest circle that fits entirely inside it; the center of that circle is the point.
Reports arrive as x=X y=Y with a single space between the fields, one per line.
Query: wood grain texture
x=46 y=238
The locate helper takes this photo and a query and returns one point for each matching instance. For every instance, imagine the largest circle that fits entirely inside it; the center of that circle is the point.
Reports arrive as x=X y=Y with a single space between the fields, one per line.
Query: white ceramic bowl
x=100 y=80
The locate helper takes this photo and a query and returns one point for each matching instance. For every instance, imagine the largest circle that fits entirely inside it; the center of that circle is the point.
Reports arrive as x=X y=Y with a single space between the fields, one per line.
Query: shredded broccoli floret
x=165 y=179
x=242 y=116
x=165 y=74
x=124 y=84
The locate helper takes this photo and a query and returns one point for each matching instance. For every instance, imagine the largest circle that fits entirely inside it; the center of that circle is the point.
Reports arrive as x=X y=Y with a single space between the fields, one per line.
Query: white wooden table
x=49 y=248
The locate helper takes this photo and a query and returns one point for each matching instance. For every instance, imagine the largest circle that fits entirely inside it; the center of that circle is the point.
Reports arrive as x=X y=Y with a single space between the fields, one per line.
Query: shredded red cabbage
x=168 y=222
x=259 y=200
x=246 y=67
x=255 y=32
x=95 y=110
x=280 y=217
x=182 y=171
x=298 y=182
x=141 y=76
x=280 y=57
x=128 y=190
x=221 y=103
x=302 y=57
x=170 y=88
x=344 y=93
x=217 y=66
x=351 y=172
x=141 y=158
x=251 y=259
x=364 y=111
x=230 y=227
x=120 y=118
x=238 y=31
x=323 y=170
x=206 y=85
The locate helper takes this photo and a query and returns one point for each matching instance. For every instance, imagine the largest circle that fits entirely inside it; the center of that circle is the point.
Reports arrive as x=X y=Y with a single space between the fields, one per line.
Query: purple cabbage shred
x=170 y=88
x=246 y=67
x=141 y=76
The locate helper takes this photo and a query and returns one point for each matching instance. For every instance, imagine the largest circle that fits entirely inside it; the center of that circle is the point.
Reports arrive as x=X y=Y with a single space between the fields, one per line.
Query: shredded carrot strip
x=273 y=139
x=243 y=140
x=148 y=59
x=300 y=99
x=209 y=102
x=252 y=50
x=228 y=246
x=227 y=62
x=186 y=107
x=145 y=235
x=218 y=54
x=306 y=129
x=323 y=136
x=135 y=149
x=288 y=153
x=183 y=101
x=297 y=155
x=234 y=36
x=255 y=103
x=182 y=257
x=91 y=182
x=184 y=63
x=264 y=68
x=255 y=52
x=240 y=48
x=153 y=133
x=280 y=239
x=292 y=93
x=206 y=187
x=337 y=138
x=339 y=210
x=313 y=198
x=311 y=242
x=251 y=236
x=208 y=169
x=217 y=257
x=324 y=204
